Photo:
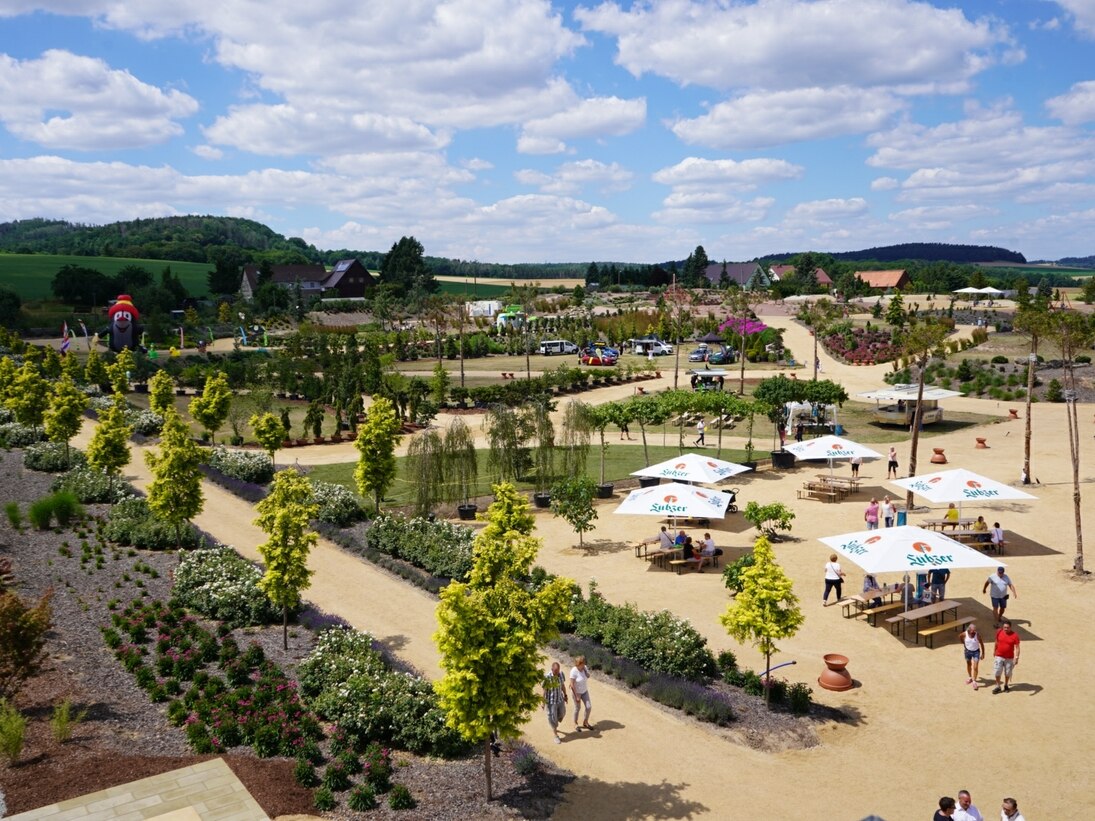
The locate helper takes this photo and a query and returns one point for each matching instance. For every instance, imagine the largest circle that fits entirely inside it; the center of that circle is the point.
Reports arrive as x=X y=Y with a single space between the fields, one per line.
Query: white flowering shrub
x=50 y=457
x=98 y=402
x=131 y=522
x=6 y=415
x=14 y=435
x=247 y=466
x=441 y=548
x=220 y=584
x=92 y=486
x=92 y=390
x=144 y=422
x=337 y=505
x=346 y=681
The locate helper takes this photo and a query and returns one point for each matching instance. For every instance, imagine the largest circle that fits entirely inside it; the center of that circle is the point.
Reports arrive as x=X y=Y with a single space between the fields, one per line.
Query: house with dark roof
x=778 y=272
x=348 y=278
x=884 y=280
x=749 y=276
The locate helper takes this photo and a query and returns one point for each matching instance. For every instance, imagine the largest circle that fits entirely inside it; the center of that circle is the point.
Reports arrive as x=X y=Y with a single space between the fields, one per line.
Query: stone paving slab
x=208 y=791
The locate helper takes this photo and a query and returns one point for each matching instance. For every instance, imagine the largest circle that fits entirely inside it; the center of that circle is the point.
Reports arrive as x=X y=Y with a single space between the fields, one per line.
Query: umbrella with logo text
x=906 y=549
x=831 y=447
x=693 y=467
x=959 y=485
x=675 y=500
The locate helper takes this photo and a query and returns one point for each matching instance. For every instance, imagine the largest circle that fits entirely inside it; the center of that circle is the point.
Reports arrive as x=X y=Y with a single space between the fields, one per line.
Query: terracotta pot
x=938 y=457
x=835 y=676
x=980 y=443
x=1013 y=413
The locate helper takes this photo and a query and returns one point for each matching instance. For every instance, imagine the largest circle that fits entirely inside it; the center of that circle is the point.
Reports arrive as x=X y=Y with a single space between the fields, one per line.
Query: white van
x=552 y=347
x=655 y=347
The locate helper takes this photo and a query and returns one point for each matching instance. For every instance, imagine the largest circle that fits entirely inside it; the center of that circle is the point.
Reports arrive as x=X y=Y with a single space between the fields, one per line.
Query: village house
x=895 y=280
x=348 y=279
x=749 y=276
x=778 y=272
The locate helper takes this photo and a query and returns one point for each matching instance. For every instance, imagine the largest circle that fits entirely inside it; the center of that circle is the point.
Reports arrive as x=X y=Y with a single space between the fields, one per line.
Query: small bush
x=441 y=548
x=727 y=664
x=524 y=758
x=14 y=514
x=401 y=798
x=22 y=640
x=323 y=799
x=248 y=466
x=13 y=729
x=66 y=507
x=131 y=522
x=20 y=436
x=305 y=773
x=999 y=359
x=337 y=505
x=40 y=513
x=1082 y=359
x=335 y=777
x=362 y=798
x=220 y=584
x=63 y=721
x=799 y=698
x=91 y=486
x=731 y=575
x=50 y=457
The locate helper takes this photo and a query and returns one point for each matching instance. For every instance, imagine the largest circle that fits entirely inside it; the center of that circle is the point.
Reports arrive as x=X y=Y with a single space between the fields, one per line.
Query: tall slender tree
x=28 y=396
x=65 y=414
x=175 y=493
x=108 y=450
x=921 y=343
x=210 y=408
x=161 y=392
x=376 y=439
x=1034 y=321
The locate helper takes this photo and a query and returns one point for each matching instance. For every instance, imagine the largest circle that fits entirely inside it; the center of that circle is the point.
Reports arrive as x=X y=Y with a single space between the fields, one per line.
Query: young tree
x=921 y=343
x=572 y=499
x=765 y=610
x=816 y=316
x=28 y=396
x=210 y=409
x=375 y=441
x=108 y=450
x=507 y=431
x=648 y=411
x=23 y=632
x=269 y=431
x=66 y=412
x=284 y=515
x=120 y=369
x=426 y=469
x=161 y=392
x=175 y=493
x=461 y=463
x=94 y=370
x=492 y=627
x=895 y=311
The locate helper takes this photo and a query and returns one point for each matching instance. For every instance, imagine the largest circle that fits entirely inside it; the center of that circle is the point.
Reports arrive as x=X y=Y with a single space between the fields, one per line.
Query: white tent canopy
x=959 y=485
x=693 y=467
x=906 y=549
x=988 y=290
x=967 y=290
x=675 y=500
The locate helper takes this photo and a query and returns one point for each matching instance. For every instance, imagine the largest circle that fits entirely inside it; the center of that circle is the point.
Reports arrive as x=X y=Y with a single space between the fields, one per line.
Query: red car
x=598 y=356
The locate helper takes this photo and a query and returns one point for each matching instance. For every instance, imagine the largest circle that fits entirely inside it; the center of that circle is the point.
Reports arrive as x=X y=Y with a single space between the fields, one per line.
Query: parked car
x=599 y=356
x=647 y=346
x=698 y=355
x=722 y=356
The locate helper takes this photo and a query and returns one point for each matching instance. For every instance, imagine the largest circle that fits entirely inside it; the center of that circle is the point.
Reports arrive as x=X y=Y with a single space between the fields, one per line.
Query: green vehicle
x=721 y=356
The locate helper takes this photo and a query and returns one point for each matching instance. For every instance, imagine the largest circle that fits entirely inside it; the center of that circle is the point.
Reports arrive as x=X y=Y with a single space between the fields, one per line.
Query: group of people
x=884 y=511
x=556 y=697
x=701 y=554
x=964 y=810
x=1005 y=656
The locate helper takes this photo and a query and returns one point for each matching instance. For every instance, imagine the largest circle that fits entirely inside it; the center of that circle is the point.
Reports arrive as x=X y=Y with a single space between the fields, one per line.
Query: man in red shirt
x=1006 y=655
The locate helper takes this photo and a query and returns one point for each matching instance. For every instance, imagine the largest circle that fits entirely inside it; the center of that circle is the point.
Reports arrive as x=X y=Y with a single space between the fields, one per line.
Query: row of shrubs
x=220 y=584
x=404 y=569
x=438 y=547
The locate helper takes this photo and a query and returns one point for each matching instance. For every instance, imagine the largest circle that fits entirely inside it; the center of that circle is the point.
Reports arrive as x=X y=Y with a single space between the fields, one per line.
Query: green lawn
x=30 y=275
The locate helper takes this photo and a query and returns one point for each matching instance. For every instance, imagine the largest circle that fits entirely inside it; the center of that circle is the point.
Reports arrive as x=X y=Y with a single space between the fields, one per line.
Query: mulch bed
x=126 y=737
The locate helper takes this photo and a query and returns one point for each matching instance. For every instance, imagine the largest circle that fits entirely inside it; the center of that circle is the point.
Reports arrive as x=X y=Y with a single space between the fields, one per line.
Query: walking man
x=938 y=577
x=1009 y=811
x=700 y=428
x=966 y=811
x=1005 y=656
x=974 y=647
x=1001 y=584
x=856 y=462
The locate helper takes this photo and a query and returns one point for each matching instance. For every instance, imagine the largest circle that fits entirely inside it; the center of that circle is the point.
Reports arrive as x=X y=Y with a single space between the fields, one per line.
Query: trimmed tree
x=375 y=441
x=108 y=450
x=210 y=409
x=492 y=627
x=94 y=369
x=66 y=412
x=765 y=610
x=285 y=515
x=175 y=493
x=161 y=392
x=269 y=431
x=572 y=499
x=119 y=370
x=28 y=396
x=23 y=632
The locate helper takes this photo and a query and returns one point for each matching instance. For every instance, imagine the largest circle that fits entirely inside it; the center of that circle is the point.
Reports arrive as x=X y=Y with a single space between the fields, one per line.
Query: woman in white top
x=579 y=685
x=975 y=651
x=886 y=511
x=834 y=579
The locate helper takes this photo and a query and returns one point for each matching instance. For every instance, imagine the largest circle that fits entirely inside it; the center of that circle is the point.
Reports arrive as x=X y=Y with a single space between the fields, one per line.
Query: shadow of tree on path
x=625 y=800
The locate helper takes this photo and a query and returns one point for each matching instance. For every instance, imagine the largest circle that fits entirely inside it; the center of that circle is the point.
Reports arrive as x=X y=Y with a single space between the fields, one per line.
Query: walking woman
x=834 y=579
x=555 y=698
x=579 y=686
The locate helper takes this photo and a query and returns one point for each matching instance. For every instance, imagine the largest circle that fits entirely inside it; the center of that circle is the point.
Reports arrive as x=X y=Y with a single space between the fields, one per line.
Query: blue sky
x=525 y=131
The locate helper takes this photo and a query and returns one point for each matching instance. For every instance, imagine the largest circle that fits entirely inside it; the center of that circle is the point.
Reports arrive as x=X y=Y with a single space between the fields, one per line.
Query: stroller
x=733 y=494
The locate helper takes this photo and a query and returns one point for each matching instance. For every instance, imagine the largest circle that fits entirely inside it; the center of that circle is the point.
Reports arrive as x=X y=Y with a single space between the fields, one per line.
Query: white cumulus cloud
x=1077 y=105
x=594 y=117
x=572 y=177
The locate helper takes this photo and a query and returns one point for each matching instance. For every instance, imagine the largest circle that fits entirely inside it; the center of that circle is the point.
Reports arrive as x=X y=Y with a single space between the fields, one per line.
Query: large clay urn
x=835 y=676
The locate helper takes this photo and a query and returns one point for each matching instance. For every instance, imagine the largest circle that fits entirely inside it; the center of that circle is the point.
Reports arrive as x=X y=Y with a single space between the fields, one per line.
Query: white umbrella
x=693 y=467
x=831 y=447
x=675 y=500
x=989 y=291
x=967 y=290
x=959 y=485
x=906 y=549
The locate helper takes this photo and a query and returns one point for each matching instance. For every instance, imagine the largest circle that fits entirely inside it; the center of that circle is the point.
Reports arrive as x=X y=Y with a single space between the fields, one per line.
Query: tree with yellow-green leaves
x=120 y=369
x=108 y=450
x=269 y=431
x=210 y=408
x=28 y=396
x=73 y=368
x=376 y=440
x=175 y=493
x=491 y=629
x=285 y=516
x=94 y=369
x=7 y=377
x=765 y=610
x=161 y=392
x=65 y=414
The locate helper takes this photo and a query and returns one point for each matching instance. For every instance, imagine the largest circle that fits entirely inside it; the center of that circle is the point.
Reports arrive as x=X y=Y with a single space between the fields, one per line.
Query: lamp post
x=1032 y=362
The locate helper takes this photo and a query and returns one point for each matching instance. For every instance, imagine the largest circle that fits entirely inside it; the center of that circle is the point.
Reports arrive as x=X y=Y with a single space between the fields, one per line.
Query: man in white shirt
x=966 y=811
x=1010 y=811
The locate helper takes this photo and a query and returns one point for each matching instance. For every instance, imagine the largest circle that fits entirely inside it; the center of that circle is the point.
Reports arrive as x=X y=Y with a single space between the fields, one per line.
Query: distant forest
x=231 y=241
x=1078 y=262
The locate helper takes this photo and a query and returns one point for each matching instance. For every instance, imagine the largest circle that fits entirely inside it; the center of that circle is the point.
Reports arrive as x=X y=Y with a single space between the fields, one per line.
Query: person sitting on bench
x=871 y=585
x=982 y=528
x=709 y=550
x=689 y=554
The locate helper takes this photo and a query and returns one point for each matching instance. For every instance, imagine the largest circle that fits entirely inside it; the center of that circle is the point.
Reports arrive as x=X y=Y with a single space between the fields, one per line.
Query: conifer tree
x=161 y=392
x=108 y=450
x=28 y=396
x=269 y=431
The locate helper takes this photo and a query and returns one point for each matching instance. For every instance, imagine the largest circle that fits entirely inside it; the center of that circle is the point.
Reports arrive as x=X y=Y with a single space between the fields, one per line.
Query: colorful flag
x=65 y=338
x=83 y=328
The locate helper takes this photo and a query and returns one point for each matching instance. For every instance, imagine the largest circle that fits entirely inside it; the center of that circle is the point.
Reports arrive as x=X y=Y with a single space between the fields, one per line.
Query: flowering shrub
x=144 y=422
x=50 y=457
x=337 y=505
x=6 y=415
x=14 y=435
x=248 y=466
x=442 y=548
x=660 y=641
x=218 y=583
x=860 y=346
x=346 y=681
x=92 y=486
x=130 y=522
x=734 y=325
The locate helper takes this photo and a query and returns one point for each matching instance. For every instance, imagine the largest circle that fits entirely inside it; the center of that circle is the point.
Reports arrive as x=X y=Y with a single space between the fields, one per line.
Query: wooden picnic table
x=818 y=490
x=905 y=618
x=849 y=484
x=939 y=524
x=855 y=604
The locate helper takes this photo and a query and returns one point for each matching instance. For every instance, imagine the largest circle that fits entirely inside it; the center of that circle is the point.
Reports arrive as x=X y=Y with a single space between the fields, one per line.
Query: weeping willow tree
x=543 y=454
x=574 y=439
x=426 y=469
x=507 y=431
x=461 y=463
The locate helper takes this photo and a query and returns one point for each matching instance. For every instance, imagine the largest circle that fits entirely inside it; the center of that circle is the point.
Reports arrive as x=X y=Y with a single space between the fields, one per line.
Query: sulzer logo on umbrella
x=973 y=490
x=670 y=499
x=872 y=540
x=920 y=547
x=680 y=466
x=936 y=479
x=972 y=483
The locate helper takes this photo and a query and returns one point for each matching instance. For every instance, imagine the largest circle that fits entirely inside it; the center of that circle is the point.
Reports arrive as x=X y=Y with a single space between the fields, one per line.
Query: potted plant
x=313 y=419
x=460 y=469
x=600 y=417
x=543 y=453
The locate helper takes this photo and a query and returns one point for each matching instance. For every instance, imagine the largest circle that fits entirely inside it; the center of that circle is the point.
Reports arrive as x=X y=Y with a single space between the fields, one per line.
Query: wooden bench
x=871 y=612
x=679 y=564
x=821 y=495
x=929 y=633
